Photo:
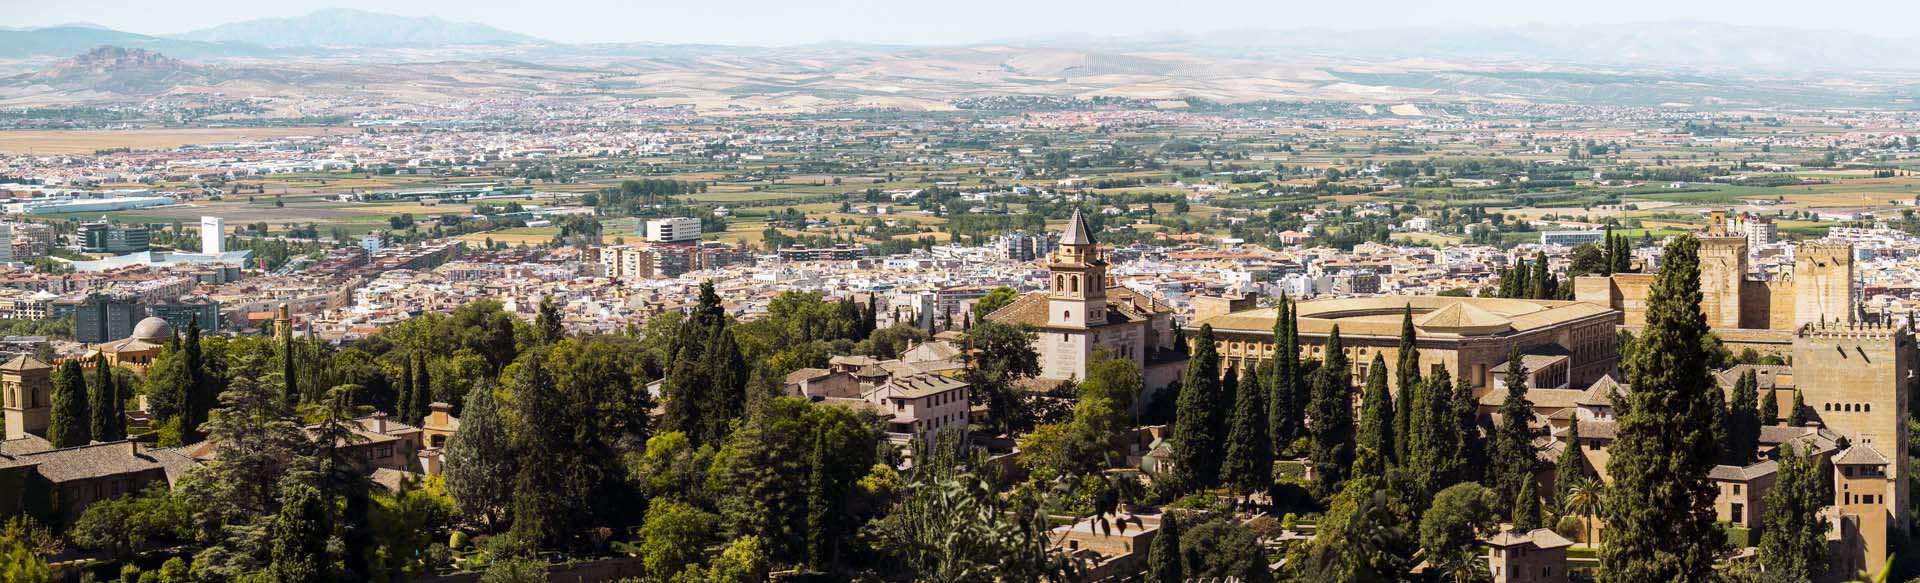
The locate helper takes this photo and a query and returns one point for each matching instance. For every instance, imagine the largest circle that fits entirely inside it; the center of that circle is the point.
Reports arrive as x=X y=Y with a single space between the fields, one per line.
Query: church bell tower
x=1077 y=296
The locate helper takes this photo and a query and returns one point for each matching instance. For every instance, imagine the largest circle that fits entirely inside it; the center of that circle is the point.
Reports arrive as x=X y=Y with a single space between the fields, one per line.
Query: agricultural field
x=89 y=141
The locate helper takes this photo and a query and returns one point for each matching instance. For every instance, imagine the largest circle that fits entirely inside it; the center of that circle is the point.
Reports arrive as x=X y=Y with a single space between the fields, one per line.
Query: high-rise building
x=674 y=230
x=107 y=237
x=213 y=235
x=6 y=243
x=101 y=317
x=184 y=311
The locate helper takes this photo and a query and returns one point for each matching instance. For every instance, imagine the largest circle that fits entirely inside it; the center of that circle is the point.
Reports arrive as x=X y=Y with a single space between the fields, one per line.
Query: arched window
x=1066 y=314
x=1866 y=407
x=1059 y=282
x=1826 y=406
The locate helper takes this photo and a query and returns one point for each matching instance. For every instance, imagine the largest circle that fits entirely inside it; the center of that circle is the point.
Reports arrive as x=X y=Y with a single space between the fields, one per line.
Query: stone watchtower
x=1860 y=494
x=1723 y=268
x=27 y=387
x=1855 y=380
x=1823 y=283
x=1077 y=297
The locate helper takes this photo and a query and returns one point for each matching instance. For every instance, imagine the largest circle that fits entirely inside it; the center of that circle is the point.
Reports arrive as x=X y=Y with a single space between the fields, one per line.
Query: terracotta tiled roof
x=1539 y=538
x=1861 y=455
x=24 y=362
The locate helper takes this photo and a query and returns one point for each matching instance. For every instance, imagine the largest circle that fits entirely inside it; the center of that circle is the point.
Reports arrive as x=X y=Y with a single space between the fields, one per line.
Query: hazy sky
x=783 y=22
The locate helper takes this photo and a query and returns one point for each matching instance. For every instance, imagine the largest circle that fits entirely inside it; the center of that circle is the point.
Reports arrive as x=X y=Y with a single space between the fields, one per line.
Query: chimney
x=380 y=422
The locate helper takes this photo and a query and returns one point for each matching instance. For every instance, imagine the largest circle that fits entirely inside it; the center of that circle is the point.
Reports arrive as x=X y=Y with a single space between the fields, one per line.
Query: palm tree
x=1462 y=567
x=1583 y=499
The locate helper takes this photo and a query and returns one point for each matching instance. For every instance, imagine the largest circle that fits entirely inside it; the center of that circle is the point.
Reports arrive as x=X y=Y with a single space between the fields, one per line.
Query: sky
x=790 y=22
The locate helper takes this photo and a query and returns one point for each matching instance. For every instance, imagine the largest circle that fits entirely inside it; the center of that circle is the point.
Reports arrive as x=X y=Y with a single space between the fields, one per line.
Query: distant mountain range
x=1692 y=44
x=340 y=27
x=351 y=35
x=411 y=60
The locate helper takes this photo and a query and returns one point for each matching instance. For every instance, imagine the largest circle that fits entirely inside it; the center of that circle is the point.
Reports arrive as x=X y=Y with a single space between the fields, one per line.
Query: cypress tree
x=1249 y=464
x=1770 y=408
x=1286 y=396
x=103 y=402
x=422 y=391
x=1798 y=416
x=725 y=371
x=1163 y=554
x=1527 y=514
x=290 y=396
x=1196 y=440
x=1375 y=454
x=819 y=543
x=1743 y=420
x=1330 y=419
x=1659 y=509
x=1572 y=464
x=548 y=502
x=201 y=394
x=1432 y=463
x=1469 y=447
x=1794 y=543
x=1607 y=253
x=1407 y=392
x=1542 y=287
x=405 y=402
x=71 y=425
x=548 y=323
x=1512 y=448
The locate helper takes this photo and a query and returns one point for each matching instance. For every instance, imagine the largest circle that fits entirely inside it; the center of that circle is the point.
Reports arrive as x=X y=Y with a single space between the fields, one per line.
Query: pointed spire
x=1077 y=231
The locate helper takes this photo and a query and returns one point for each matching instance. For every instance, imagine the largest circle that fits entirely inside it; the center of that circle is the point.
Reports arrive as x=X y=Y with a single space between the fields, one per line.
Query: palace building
x=1563 y=344
x=1081 y=311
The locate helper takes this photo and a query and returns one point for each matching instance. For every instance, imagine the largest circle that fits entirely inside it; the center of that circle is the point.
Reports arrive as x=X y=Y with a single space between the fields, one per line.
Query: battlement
x=1852 y=331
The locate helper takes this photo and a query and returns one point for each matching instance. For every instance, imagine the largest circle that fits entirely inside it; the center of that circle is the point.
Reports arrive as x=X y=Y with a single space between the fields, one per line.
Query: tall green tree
x=1470 y=449
x=71 y=424
x=1659 y=512
x=1527 y=514
x=1407 y=426
x=1163 y=554
x=1794 y=543
x=1770 y=408
x=300 y=537
x=208 y=383
x=1003 y=354
x=548 y=323
x=1197 y=446
x=1798 y=416
x=104 y=402
x=550 y=490
x=1330 y=418
x=1375 y=453
x=289 y=370
x=1432 y=457
x=422 y=390
x=1544 y=286
x=1572 y=465
x=1743 y=421
x=480 y=460
x=1512 y=450
x=1249 y=465
x=1451 y=528
x=1286 y=393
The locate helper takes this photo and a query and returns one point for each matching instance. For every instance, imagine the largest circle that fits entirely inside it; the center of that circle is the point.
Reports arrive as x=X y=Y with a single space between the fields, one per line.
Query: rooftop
x=1433 y=316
